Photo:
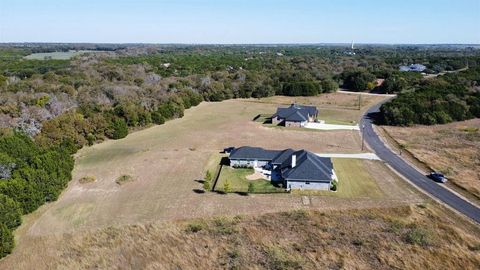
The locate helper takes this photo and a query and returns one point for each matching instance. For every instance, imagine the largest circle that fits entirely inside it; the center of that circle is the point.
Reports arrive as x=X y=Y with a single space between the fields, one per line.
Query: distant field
x=56 y=55
x=453 y=149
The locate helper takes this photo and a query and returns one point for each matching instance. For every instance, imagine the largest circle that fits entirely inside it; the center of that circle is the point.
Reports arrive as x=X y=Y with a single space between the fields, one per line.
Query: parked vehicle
x=437 y=177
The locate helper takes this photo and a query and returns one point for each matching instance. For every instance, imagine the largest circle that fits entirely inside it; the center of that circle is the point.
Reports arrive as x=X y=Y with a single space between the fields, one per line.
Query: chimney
x=294 y=161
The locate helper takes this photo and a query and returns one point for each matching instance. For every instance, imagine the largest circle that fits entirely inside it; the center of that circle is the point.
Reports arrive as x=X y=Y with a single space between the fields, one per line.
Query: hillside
x=451 y=148
x=409 y=237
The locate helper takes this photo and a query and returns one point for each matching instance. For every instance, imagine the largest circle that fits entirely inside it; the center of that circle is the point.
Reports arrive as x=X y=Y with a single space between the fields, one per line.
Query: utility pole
x=363 y=136
x=359 y=101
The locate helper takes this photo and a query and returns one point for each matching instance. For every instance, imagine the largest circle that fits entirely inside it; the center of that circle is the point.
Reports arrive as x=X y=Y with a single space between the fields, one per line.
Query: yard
x=355 y=180
x=237 y=178
x=168 y=162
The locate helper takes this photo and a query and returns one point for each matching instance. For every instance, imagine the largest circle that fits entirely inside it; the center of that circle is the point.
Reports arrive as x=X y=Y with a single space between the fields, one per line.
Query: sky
x=241 y=21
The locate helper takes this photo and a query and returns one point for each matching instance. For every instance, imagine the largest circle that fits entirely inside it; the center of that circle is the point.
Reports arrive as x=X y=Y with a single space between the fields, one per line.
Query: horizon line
x=232 y=44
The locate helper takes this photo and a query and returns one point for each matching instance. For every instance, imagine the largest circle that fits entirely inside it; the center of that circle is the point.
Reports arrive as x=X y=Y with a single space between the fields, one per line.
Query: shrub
x=195 y=227
x=357 y=242
x=120 y=129
x=206 y=185
x=251 y=188
x=208 y=176
x=157 y=118
x=123 y=179
x=334 y=185
x=419 y=236
x=6 y=240
x=224 y=226
x=87 y=179
x=226 y=186
x=10 y=212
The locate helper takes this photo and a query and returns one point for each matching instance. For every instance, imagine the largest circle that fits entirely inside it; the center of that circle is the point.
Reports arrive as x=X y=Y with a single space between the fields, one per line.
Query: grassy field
x=453 y=149
x=167 y=163
x=422 y=236
x=239 y=182
x=56 y=55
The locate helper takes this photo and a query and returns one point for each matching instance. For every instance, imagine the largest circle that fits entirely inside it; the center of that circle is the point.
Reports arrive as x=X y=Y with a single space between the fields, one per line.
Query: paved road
x=369 y=156
x=409 y=172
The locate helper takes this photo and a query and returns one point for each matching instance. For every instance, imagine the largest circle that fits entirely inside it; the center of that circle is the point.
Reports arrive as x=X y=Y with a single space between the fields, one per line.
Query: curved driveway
x=409 y=172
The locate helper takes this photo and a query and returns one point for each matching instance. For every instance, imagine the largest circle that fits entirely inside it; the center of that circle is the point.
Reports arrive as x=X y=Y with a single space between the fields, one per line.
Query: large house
x=294 y=169
x=295 y=115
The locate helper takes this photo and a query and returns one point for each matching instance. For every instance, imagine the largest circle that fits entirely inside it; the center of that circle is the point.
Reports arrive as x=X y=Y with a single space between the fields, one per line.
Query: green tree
x=120 y=129
x=157 y=118
x=6 y=240
x=329 y=85
x=358 y=80
x=10 y=212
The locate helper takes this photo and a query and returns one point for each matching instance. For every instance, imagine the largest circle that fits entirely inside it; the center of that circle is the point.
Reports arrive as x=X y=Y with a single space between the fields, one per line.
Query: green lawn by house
x=239 y=182
x=354 y=181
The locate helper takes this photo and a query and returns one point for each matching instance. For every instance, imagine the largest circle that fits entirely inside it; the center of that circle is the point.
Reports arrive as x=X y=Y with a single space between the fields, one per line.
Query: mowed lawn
x=237 y=178
x=354 y=180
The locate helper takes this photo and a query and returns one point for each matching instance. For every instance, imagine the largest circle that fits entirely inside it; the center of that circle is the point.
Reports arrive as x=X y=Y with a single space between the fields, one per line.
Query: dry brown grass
x=165 y=170
x=407 y=237
x=453 y=149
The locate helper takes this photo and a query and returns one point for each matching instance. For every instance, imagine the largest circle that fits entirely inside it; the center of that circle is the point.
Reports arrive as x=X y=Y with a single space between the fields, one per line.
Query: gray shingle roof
x=296 y=113
x=252 y=153
x=309 y=167
x=284 y=155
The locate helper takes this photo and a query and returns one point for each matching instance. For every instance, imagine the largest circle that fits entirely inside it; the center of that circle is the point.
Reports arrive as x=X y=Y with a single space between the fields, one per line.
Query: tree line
x=453 y=97
x=30 y=175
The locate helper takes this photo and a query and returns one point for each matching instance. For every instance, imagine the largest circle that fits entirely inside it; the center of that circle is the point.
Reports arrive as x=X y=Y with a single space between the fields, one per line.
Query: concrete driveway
x=322 y=126
x=369 y=156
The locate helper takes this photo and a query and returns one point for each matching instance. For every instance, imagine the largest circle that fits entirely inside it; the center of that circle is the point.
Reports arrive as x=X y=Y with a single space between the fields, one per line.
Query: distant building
x=413 y=67
x=295 y=115
x=294 y=169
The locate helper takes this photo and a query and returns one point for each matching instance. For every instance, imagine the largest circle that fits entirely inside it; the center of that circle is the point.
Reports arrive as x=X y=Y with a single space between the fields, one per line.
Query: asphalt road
x=417 y=178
